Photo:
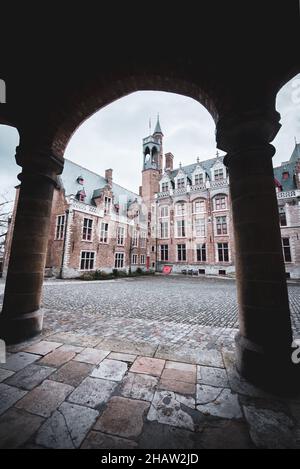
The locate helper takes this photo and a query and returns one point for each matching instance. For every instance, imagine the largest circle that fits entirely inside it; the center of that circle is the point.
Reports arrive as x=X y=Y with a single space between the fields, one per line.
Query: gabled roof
x=93 y=183
x=189 y=169
x=288 y=166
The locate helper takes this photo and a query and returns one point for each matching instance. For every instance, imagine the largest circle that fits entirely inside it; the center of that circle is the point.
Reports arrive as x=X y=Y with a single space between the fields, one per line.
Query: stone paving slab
x=43 y=347
x=57 y=358
x=16 y=427
x=93 y=392
x=91 y=355
x=74 y=339
x=9 y=395
x=138 y=386
x=72 y=373
x=132 y=347
x=30 y=377
x=186 y=354
x=179 y=372
x=18 y=361
x=44 y=399
x=125 y=357
x=169 y=408
x=179 y=387
x=112 y=370
x=212 y=376
x=225 y=405
x=4 y=374
x=123 y=417
x=67 y=427
x=149 y=366
x=98 y=440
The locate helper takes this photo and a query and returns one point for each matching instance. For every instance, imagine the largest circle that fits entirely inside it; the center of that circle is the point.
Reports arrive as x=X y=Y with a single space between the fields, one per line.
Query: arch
x=98 y=92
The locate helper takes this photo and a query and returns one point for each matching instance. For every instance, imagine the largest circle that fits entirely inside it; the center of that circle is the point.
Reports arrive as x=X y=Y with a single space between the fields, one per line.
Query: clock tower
x=152 y=163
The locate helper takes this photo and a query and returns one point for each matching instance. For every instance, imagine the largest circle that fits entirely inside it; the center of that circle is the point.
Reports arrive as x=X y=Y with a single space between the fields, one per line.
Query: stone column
x=21 y=317
x=265 y=336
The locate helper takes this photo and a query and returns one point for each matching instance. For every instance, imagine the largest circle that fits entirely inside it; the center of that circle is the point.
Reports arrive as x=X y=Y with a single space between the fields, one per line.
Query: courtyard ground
x=145 y=362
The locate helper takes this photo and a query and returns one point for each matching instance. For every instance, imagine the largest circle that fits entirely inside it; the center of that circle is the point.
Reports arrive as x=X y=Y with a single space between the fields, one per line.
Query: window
x=180 y=183
x=143 y=259
x=181 y=252
x=286 y=249
x=223 y=252
x=153 y=248
x=81 y=196
x=87 y=229
x=201 y=252
x=87 y=260
x=143 y=239
x=164 y=229
x=120 y=235
x=119 y=260
x=199 y=226
x=164 y=211
x=180 y=209
x=164 y=252
x=220 y=203
x=199 y=206
x=285 y=175
x=221 y=225
x=219 y=174
x=134 y=259
x=104 y=233
x=60 y=227
x=282 y=219
x=107 y=204
x=135 y=239
x=180 y=229
x=165 y=187
x=198 y=179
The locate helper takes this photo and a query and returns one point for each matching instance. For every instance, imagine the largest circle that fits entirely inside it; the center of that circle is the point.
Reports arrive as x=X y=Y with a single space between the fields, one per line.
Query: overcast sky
x=112 y=138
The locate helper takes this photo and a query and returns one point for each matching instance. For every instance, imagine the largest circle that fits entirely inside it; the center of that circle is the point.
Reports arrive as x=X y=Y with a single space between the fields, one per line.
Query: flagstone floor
x=69 y=390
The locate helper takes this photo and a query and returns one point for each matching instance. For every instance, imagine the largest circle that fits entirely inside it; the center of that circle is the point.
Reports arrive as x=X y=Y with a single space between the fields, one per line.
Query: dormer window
x=165 y=187
x=80 y=180
x=285 y=175
x=180 y=183
x=198 y=179
x=219 y=174
x=107 y=204
x=81 y=196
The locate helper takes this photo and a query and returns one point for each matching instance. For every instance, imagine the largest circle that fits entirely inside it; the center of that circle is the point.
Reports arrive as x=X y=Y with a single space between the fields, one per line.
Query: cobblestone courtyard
x=137 y=364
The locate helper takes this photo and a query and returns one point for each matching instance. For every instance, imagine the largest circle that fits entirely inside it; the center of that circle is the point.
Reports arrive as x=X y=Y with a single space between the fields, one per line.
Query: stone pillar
x=265 y=337
x=21 y=317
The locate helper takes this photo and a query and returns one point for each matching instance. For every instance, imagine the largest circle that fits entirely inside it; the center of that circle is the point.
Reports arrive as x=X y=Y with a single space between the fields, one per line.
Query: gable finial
x=198 y=160
x=180 y=165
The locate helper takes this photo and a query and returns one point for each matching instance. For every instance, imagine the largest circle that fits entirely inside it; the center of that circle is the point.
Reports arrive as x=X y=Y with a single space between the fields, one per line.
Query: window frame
x=225 y=252
x=60 y=228
x=201 y=249
x=84 y=251
x=181 y=248
x=104 y=239
x=87 y=230
x=288 y=248
x=118 y=259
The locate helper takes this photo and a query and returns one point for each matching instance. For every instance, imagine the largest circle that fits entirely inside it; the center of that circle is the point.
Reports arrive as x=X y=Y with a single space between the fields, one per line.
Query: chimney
x=169 y=161
x=108 y=176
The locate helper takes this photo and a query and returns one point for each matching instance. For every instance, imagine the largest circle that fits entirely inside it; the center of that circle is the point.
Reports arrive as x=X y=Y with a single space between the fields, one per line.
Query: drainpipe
x=64 y=245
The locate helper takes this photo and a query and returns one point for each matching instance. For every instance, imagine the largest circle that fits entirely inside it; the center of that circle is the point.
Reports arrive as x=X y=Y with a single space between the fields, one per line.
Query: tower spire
x=157 y=129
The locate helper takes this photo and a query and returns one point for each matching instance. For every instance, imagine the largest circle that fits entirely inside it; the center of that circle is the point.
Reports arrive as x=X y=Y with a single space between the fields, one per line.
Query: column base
x=20 y=328
x=273 y=370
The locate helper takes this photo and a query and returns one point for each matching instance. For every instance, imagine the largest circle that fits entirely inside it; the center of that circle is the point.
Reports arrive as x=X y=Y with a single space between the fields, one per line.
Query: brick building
x=95 y=225
x=191 y=215
x=181 y=218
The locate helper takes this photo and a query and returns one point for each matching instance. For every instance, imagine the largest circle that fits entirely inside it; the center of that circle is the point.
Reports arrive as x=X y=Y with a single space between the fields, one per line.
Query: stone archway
x=246 y=124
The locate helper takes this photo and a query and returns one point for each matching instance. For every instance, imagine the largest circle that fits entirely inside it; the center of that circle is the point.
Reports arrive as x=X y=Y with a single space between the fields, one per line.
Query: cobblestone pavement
x=74 y=392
